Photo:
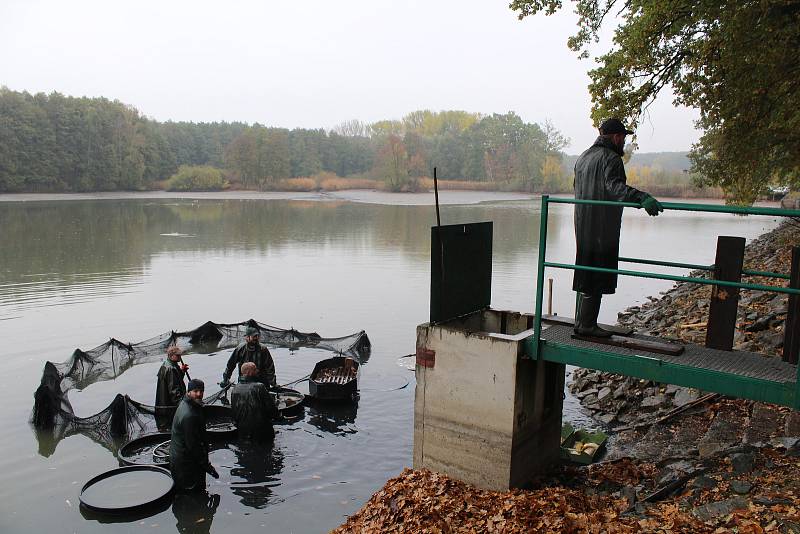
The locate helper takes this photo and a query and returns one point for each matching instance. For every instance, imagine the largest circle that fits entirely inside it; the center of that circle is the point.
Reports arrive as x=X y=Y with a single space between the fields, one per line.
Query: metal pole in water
x=549 y=296
x=436 y=194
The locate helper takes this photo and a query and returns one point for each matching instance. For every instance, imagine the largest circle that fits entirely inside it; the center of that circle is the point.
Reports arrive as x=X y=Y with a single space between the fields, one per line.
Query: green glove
x=651 y=206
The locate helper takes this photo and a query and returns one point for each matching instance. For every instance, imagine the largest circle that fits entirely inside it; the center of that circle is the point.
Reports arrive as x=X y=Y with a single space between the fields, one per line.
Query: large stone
x=604 y=395
x=772 y=341
x=654 y=402
x=762 y=424
x=720 y=509
x=725 y=431
x=743 y=462
x=607 y=419
x=742 y=487
x=685 y=396
x=702 y=482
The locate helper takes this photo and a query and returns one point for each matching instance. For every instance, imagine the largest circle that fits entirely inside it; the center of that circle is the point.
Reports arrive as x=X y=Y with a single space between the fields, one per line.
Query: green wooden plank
x=667 y=372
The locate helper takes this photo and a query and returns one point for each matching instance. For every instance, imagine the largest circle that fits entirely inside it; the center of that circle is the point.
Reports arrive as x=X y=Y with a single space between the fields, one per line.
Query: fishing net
x=53 y=416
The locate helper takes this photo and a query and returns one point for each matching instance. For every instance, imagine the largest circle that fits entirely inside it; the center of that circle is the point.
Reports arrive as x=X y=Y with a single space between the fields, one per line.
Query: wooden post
x=791 y=339
x=725 y=300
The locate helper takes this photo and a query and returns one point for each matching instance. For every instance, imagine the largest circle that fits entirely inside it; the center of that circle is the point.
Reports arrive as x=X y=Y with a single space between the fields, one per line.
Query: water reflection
x=194 y=511
x=334 y=418
x=69 y=253
x=256 y=471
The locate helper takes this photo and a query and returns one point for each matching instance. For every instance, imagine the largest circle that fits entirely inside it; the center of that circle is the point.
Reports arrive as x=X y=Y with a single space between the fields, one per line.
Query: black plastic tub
x=153 y=449
x=127 y=490
x=334 y=379
x=219 y=421
x=289 y=401
x=142 y=450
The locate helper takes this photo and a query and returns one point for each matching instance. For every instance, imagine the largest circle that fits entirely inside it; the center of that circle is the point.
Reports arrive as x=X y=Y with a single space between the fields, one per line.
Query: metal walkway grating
x=739 y=363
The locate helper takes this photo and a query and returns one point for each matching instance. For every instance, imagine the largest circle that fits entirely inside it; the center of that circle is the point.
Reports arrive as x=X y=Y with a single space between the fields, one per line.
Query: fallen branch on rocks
x=670 y=488
x=672 y=413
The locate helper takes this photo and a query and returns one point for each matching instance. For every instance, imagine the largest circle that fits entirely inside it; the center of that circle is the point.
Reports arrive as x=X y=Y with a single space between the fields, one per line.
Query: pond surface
x=76 y=271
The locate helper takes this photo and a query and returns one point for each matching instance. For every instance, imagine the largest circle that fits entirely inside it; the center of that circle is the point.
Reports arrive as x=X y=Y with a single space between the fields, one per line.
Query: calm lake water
x=77 y=270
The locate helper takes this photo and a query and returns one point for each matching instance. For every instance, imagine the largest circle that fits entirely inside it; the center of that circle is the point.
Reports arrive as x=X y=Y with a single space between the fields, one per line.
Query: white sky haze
x=314 y=64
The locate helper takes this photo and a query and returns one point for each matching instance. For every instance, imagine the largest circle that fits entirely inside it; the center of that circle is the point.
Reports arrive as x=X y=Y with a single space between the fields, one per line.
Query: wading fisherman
x=600 y=175
x=188 y=450
x=251 y=351
x=253 y=406
x=170 y=388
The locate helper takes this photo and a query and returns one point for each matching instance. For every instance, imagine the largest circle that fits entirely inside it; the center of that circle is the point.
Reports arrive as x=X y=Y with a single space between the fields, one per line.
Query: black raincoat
x=253 y=408
x=599 y=175
x=259 y=355
x=188 y=450
x=170 y=388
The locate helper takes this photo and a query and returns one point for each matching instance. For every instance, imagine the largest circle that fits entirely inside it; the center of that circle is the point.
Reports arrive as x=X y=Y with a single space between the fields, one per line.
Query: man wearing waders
x=253 y=406
x=600 y=175
x=188 y=450
x=170 y=388
x=251 y=351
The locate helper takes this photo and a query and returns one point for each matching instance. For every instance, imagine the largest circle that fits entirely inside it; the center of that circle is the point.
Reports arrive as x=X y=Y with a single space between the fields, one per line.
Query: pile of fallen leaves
x=588 y=501
x=424 y=501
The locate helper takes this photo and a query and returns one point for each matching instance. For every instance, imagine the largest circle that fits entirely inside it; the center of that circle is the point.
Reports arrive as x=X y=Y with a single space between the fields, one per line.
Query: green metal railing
x=738 y=210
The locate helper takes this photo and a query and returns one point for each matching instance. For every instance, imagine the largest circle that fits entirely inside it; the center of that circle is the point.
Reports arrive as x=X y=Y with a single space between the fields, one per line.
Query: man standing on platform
x=188 y=450
x=600 y=175
x=251 y=351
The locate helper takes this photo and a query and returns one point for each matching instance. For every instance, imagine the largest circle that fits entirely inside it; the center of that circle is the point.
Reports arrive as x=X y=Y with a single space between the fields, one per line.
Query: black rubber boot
x=586 y=316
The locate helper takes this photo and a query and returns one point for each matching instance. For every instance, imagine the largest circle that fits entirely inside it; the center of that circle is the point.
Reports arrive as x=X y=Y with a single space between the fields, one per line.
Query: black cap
x=613 y=126
x=251 y=331
x=195 y=383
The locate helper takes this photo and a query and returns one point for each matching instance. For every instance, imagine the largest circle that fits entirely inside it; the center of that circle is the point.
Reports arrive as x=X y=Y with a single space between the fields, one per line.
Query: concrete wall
x=482 y=412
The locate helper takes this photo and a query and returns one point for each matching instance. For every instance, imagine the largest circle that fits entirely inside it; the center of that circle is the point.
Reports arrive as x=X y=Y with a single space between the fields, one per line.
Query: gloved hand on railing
x=651 y=206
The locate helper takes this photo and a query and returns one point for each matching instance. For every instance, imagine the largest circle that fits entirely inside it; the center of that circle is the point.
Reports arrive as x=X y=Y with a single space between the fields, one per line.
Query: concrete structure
x=483 y=413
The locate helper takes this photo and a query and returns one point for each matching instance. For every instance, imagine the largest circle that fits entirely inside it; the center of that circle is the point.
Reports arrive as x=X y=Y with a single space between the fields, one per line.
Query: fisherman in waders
x=170 y=388
x=188 y=450
x=600 y=175
x=251 y=351
x=252 y=405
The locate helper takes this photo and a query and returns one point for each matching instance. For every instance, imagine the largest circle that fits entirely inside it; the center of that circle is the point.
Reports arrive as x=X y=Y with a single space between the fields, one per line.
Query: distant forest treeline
x=60 y=143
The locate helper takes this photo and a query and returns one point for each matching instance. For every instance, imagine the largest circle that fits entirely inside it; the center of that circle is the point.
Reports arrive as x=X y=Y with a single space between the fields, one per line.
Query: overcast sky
x=314 y=63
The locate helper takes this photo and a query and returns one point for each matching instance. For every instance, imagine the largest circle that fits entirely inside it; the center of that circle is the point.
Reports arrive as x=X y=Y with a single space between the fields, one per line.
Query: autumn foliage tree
x=737 y=62
x=391 y=164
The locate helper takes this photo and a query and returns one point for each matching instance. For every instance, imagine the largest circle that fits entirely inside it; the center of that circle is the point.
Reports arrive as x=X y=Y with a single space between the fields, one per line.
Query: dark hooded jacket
x=188 y=450
x=170 y=388
x=600 y=175
x=253 y=409
x=259 y=355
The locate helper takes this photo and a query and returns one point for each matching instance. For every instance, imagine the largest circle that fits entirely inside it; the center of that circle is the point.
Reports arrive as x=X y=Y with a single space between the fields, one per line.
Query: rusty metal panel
x=461 y=269
x=426 y=357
